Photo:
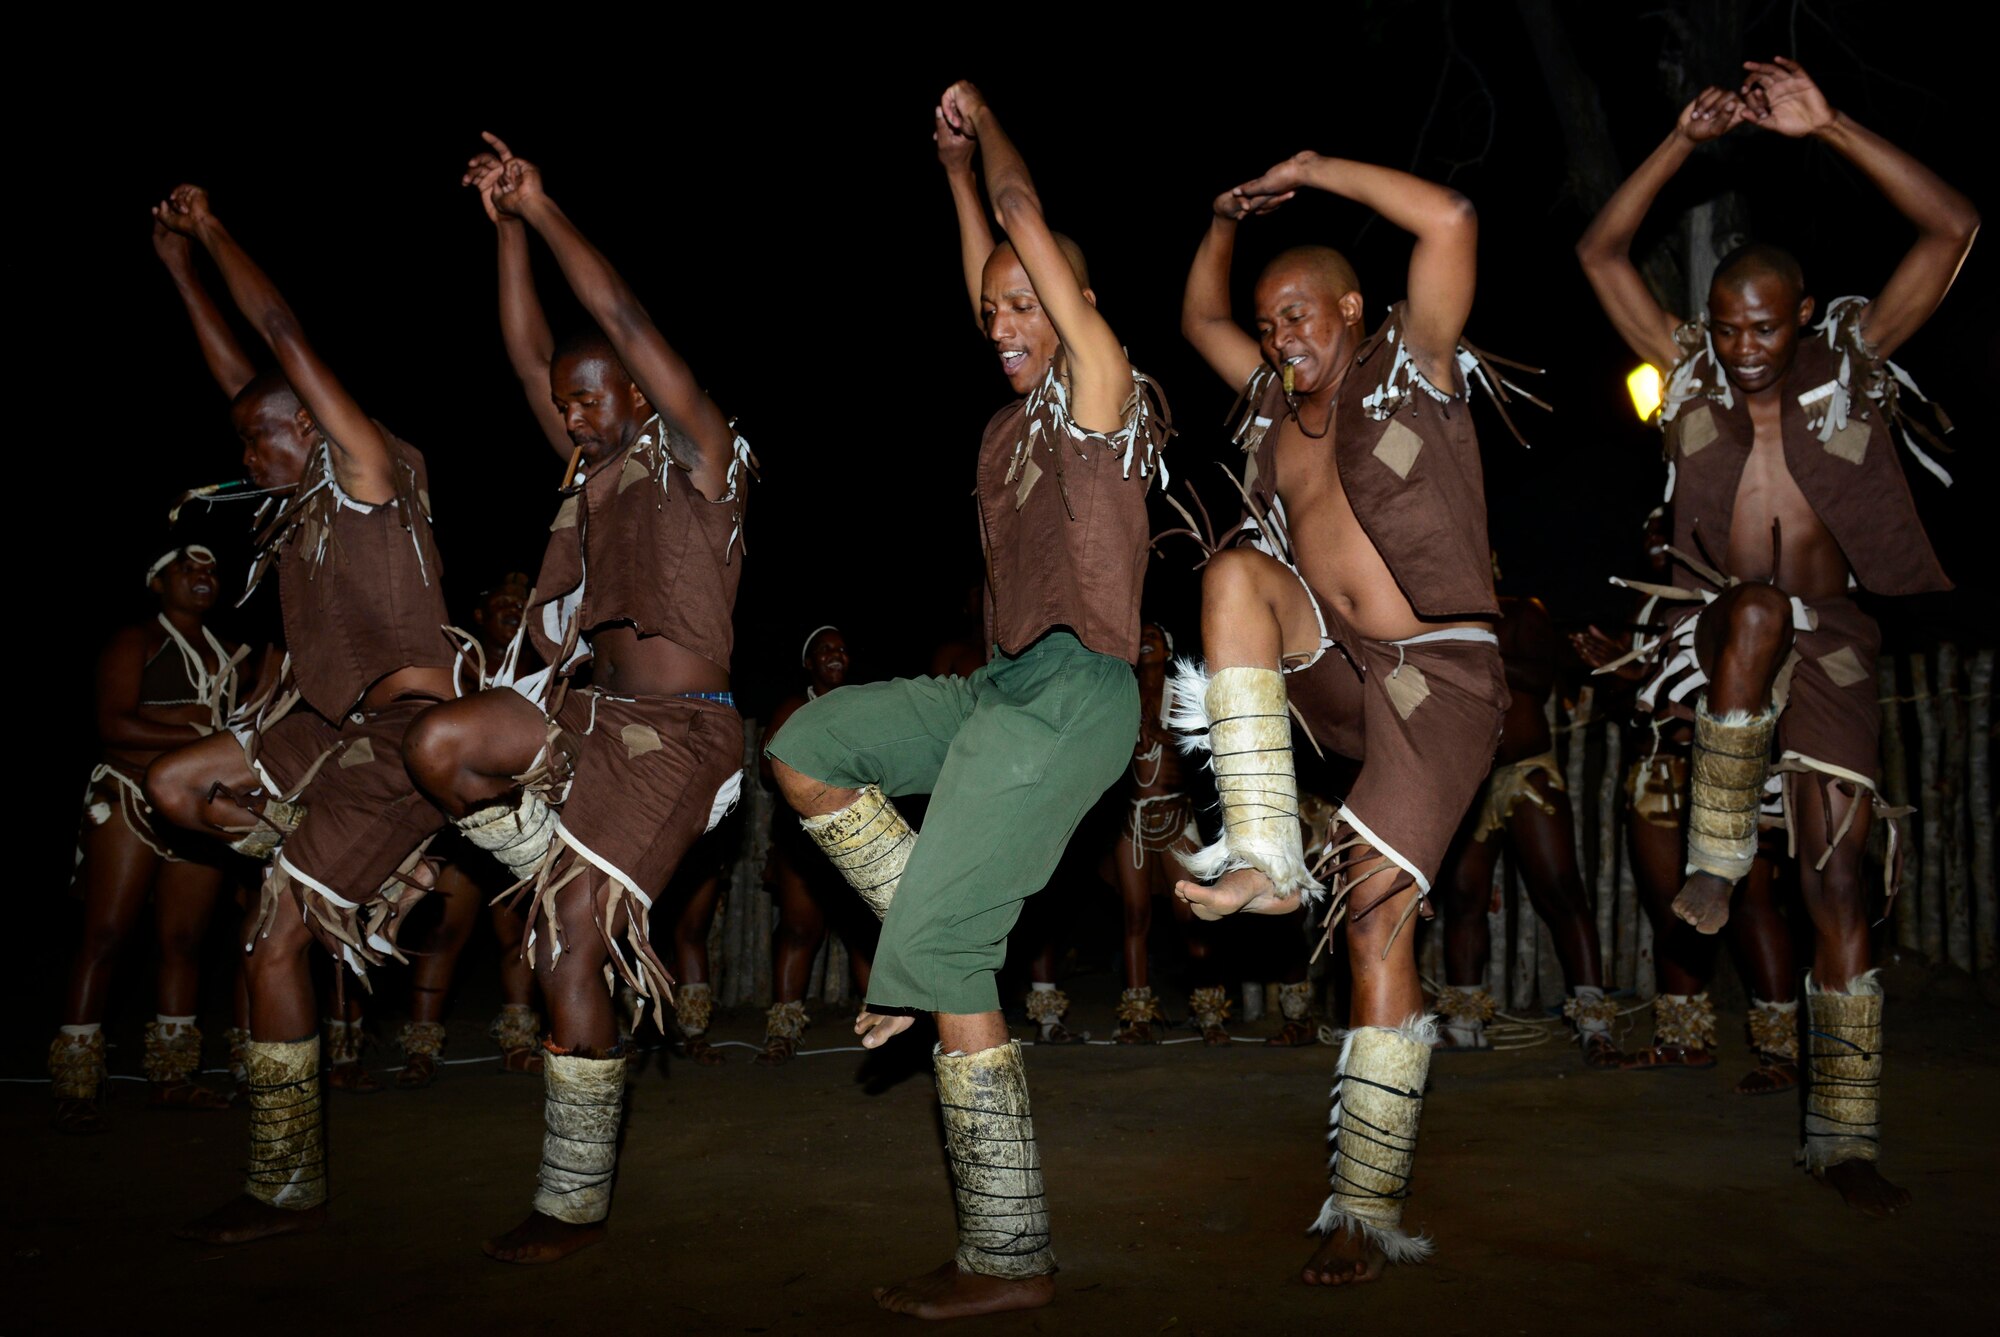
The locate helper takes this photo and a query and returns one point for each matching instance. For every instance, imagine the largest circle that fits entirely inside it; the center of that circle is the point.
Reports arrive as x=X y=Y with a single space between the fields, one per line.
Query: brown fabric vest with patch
x=1853 y=481
x=1066 y=539
x=1413 y=478
x=648 y=551
x=360 y=590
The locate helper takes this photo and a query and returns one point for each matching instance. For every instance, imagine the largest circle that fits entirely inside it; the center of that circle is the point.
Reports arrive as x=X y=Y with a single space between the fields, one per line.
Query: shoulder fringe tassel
x=1843 y=1073
x=1378 y=1100
x=1238 y=716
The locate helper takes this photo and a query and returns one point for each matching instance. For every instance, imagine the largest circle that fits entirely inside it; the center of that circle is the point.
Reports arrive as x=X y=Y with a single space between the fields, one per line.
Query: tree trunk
x=1958 y=830
x=1979 y=787
x=1896 y=790
x=1930 y=880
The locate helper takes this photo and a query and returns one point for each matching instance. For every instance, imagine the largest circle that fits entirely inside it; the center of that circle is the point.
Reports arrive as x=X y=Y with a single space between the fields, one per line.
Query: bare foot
x=1704 y=902
x=244 y=1218
x=1862 y=1187
x=1244 y=889
x=1295 y=1032
x=1601 y=1052
x=950 y=1293
x=352 y=1077
x=1668 y=1056
x=1770 y=1076
x=1345 y=1259
x=521 y=1060
x=418 y=1072
x=876 y=1030
x=703 y=1053
x=185 y=1095
x=542 y=1239
x=78 y=1117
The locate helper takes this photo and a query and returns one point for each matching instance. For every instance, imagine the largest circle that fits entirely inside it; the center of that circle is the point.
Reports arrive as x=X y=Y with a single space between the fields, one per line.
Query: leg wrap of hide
x=694 y=1008
x=1249 y=741
x=518 y=836
x=238 y=1040
x=287 y=1129
x=1774 y=1028
x=76 y=1066
x=1732 y=755
x=1295 y=1000
x=1209 y=1006
x=1463 y=1011
x=517 y=1027
x=583 y=1105
x=996 y=1165
x=869 y=842
x=1684 y=1019
x=1843 y=1073
x=1590 y=1011
x=1139 y=1005
x=786 y=1021
x=1378 y=1099
x=278 y=820
x=1045 y=1007
x=343 y=1041
x=173 y=1053
x=421 y=1037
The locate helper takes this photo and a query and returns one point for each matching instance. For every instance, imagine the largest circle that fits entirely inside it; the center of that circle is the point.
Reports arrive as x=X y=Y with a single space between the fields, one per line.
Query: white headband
x=200 y=555
x=805 y=651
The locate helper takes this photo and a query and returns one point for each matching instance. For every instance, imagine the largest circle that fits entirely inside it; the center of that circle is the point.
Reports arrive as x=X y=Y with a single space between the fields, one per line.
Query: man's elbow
x=281 y=329
x=1014 y=202
x=1456 y=214
x=1963 y=225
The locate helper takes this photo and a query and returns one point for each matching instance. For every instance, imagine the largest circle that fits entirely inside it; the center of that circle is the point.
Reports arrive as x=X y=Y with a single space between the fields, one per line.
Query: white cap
x=805 y=651
x=196 y=551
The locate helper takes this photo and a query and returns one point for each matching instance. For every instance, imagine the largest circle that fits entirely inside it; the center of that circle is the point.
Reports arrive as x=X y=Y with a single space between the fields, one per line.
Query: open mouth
x=1012 y=359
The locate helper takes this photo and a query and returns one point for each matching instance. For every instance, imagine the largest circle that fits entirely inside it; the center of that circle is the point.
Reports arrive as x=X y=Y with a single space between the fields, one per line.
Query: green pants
x=1012 y=757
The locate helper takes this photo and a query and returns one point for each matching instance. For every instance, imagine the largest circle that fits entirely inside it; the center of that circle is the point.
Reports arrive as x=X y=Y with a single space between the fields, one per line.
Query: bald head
x=589 y=346
x=267 y=392
x=1321 y=266
x=1071 y=252
x=1756 y=261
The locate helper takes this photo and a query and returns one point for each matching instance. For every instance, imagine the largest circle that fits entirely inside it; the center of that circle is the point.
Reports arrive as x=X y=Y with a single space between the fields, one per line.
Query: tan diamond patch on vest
x=639 y=739
x=1031 y=473
x=1406 y=689
x=1850 y=443
x=1843 y=666
x=633 y=472
x=565 y=515
x=1398 y=448
x=1697 y=429
x=358 y=753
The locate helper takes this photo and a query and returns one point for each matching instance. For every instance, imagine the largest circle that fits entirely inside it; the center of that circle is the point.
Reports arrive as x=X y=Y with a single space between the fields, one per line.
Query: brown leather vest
x=360 y=587
x=1062 y=519
x=1409 y=463
x=1852 y=477
x=636 y=543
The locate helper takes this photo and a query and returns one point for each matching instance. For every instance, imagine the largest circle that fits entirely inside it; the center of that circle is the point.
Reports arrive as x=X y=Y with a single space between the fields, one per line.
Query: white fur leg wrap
x=996 y=1165
x=1248 y=730
x=287 y=1126
x=869 y=842
x=582 y=1108
x=1843 y=1073
x=1732 y=755
x=1378 y=1100
x=518 y=836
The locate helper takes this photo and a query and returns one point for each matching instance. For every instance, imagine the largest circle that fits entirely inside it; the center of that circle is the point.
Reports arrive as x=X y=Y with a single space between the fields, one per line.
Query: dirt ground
x=1180 y=1178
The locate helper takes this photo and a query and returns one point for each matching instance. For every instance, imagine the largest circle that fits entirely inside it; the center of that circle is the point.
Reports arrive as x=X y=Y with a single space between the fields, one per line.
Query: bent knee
x=1237 y=573
x=1759 y=616
x=433 y=749
x=170 y=790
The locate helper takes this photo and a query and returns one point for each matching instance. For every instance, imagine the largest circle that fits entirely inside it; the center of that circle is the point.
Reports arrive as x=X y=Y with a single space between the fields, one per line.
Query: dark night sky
x=787 y=224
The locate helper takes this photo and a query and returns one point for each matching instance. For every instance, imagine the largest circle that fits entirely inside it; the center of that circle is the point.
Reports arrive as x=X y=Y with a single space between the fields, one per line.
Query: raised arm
x=956 y=150
x=1605 y=249
x=1443 y=266
x=524 y=328
x=226 y=360
x=1206 y=321
x=660 y=372
x=361 y=460
x=1100 y=375
x=1782 y=97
